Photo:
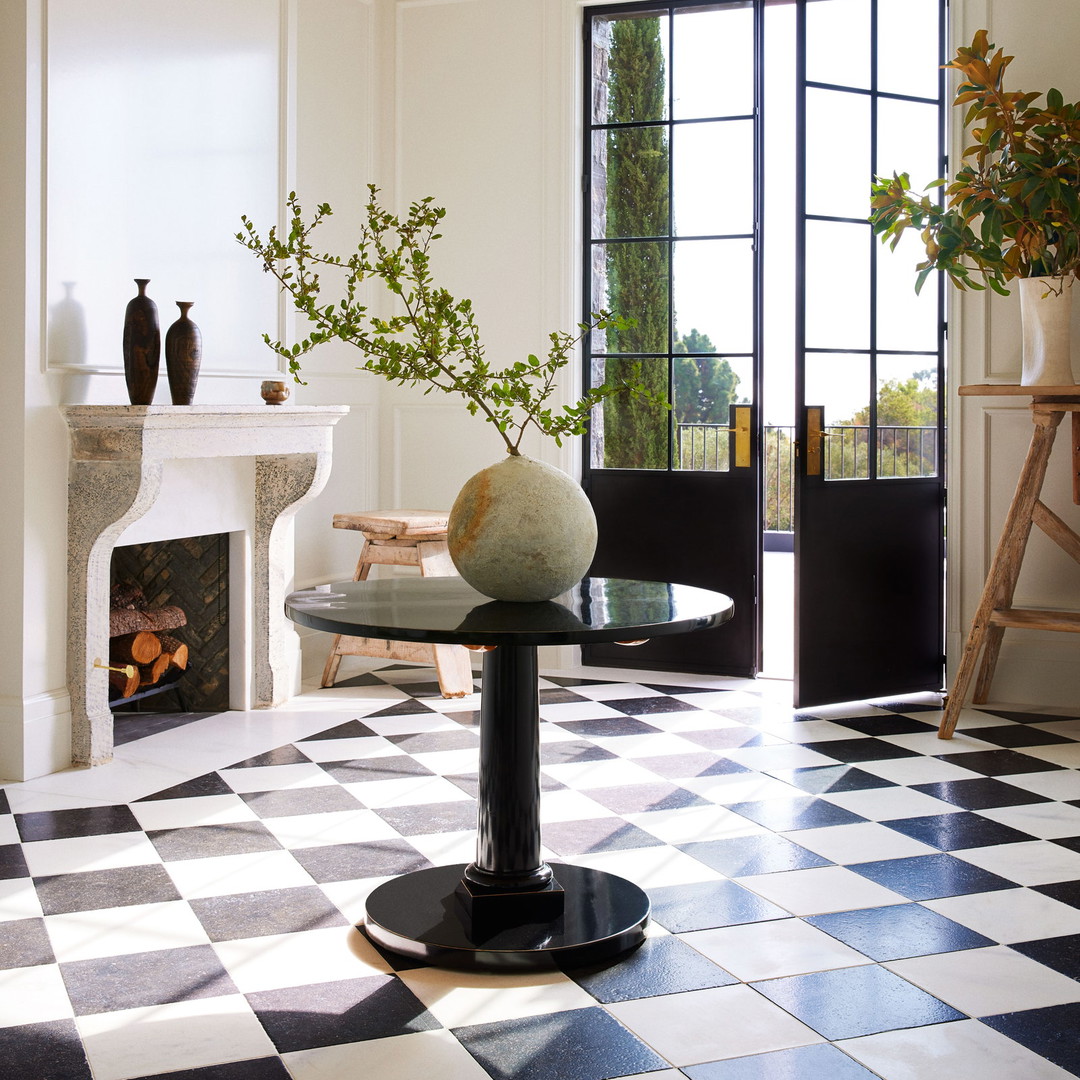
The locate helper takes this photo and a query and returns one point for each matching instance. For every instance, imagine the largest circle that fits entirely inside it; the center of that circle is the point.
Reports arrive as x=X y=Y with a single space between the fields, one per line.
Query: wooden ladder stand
x=995 y=612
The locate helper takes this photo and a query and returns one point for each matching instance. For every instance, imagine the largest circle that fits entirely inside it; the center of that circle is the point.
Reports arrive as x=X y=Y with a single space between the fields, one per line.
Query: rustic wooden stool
x=403 y=538
x=995 y=613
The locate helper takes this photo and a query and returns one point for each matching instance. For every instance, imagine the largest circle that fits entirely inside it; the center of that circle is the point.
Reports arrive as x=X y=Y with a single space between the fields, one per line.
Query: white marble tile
x=450 y=762
x=569 y=805
x=649 y=745
x=964 y=1050
x=302 y=959
x=84 y=935
x=1045 y=820
x=74 y=854
x=726 y=788
x=651 y=867
x=302 y=774
x=1056 y=784
x=672 y=1025
x=985 y=982
x=1036 y=862
x=410 y=723
x=608 y=772
x=167 y=1038
x=335 y=827
x=1010 y=914
x=419 y=1056
x=776 y=758
x=222 y=875
x=32 y=995
x=9 y=833
x=888 y=804
x=858 y=843
x=445 y=848
x=18 y=899
x=692 y=823
x=772 y=950
x=406 y=791
x=918 y=770
x=367 y=746
x=821 y=889
x=200 y=810
x=461 y=998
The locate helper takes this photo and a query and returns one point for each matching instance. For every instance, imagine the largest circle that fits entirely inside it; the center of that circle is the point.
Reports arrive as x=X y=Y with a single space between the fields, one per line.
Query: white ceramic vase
x=522 y=530
x=1045 y=314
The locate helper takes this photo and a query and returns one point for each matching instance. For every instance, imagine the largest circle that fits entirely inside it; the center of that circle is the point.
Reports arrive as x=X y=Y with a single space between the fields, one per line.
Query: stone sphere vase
x=522 y=530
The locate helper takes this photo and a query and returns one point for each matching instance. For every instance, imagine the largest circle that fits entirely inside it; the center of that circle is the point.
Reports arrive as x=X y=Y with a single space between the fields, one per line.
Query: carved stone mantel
x=118 y=453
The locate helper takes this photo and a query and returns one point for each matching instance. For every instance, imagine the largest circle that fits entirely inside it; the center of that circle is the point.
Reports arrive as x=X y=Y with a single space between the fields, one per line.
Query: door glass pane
x=905 y=320
x=627 y=433
x=908 y=48
x=838 y=42
x=701 y=86
x=621 y=48
x=841 y=383
x=713 y=290
x=633 y=159
x=838 y=159
x=907 y=416
x=837 y=288
x=631 y=280
x=714 y=178
x=908 y=142
x=703 y=388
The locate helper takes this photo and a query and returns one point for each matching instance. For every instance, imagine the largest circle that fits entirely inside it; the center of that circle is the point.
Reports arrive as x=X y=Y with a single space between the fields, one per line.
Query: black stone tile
x=687 y=766
x=578 y=1044
x=849 y=1002
x=1068 y=892
x=12 y=862
x=207 y=784
x=1028 y=717
x=329 y=1014
x=596 y=834
x=470 y=782
x=893 y=724
x=282 y=755
x=290 y=802
x=929 y=877
x=351 y=729
x=403 y=708
x=84 y=821
x=130 y=727
x=362 y=770
x=467 y=718
x=645 y=706
x=25 y=943
x=910 y=706
x=741 y=856
x=5 y=806
x=820 y=1061
x=980 y=794
x=661 y=965
x=954 y=832
x=702 y=905
x=567 y=751
x=666 y=688
x=430 y=689
x=365 y=679
x=565 y=680
x=269 y=1068
x=430 y=817
x=423 y=742
x=788 y=815
x=48 y=1051
x=818 y=779
x=898 y=931
x=608 y=726
x=638 y=798
x=1012 y=735
x=998 y=762
x=203 y=841
x=93 y=890
x=864 y=749
x=1070 y=842
x=1060 y=953
x=559 y=696
x=271 y=911
x=111 y=983
x=351 y=862
x=1049 y=1032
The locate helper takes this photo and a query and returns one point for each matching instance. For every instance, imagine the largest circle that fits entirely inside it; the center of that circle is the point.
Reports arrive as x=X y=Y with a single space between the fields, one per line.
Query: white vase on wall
x=1046 y=314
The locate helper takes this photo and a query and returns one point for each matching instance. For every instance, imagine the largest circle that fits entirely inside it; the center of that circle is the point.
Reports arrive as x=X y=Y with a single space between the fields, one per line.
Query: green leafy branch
x=432 y=340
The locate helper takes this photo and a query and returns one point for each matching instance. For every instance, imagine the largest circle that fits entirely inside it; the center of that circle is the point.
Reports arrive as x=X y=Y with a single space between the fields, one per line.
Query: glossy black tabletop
x=448 y=611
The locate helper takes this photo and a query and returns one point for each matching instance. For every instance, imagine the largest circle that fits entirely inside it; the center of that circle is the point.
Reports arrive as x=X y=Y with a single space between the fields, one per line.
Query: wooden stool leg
x=1004 y=570
x=333 y=660
x=452 y=662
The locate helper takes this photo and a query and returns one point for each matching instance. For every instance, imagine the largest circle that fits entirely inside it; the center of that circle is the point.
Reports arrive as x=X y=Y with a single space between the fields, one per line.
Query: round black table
x=508 y=908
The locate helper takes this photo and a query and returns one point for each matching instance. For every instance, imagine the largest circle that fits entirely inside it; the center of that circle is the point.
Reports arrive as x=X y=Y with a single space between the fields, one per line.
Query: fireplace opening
x=169 y=629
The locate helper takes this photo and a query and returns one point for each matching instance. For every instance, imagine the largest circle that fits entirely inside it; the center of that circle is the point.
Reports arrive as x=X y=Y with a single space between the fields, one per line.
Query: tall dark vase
x=183 y=355
x=142 y=346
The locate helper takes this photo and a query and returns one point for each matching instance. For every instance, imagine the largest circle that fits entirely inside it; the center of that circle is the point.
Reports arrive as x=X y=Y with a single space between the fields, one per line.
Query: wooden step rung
x=1036 y=619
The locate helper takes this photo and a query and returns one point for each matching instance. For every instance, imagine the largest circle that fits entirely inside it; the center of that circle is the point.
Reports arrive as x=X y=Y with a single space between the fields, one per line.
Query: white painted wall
x=475 y=103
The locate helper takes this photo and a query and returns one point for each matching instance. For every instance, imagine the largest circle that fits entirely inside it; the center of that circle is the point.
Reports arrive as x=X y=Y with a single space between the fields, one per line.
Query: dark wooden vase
x=183 y=355
x=142 y=346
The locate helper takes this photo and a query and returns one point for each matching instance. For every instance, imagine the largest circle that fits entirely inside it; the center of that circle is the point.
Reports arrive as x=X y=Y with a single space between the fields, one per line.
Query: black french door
x=729 y=150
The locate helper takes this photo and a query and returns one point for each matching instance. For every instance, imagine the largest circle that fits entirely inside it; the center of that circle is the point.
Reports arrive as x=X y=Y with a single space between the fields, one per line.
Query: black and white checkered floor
x=836 y=893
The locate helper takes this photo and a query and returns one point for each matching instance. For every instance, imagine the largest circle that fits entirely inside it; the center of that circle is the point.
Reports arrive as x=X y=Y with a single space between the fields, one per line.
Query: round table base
x=420 y=916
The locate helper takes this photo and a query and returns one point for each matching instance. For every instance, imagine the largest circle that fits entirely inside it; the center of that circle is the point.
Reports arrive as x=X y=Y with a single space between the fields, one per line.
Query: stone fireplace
x=144 y=473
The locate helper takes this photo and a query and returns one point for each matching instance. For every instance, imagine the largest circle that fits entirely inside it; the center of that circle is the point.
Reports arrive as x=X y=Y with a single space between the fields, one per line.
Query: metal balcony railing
x=902 y=451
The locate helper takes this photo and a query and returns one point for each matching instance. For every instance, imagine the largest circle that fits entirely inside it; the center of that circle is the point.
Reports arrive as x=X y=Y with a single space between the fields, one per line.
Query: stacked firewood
x=140 y=641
